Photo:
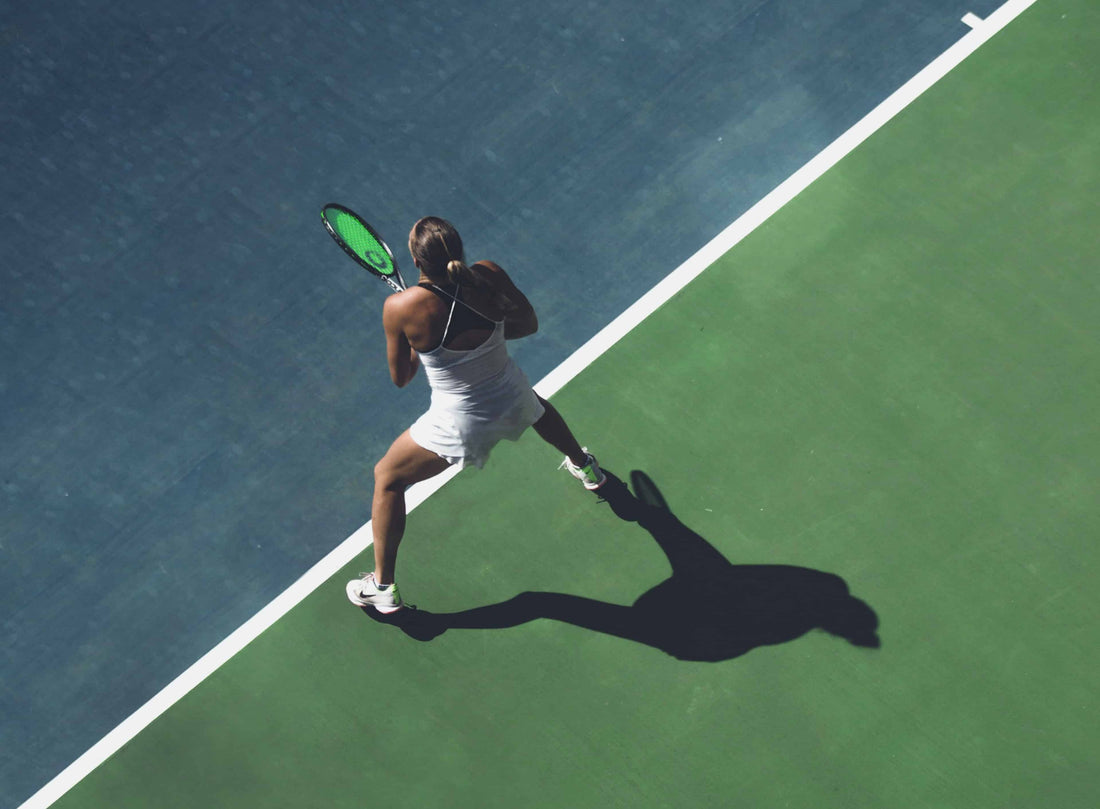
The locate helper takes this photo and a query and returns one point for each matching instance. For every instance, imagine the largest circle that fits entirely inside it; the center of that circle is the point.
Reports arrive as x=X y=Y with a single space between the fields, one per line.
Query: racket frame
x=399 y=284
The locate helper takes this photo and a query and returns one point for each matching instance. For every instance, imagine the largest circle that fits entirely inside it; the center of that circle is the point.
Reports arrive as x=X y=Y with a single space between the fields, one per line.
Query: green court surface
x=890 y=387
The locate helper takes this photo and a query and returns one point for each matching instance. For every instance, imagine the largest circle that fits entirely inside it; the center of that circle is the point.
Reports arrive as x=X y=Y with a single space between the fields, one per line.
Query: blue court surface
x=193 y=390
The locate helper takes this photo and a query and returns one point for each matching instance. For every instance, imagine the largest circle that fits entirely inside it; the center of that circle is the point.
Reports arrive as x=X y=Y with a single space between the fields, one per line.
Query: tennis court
x=844 y=556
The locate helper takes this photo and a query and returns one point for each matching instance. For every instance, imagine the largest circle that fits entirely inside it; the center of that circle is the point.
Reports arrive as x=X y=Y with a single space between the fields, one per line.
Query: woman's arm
x=402 y=358
x=520 y=319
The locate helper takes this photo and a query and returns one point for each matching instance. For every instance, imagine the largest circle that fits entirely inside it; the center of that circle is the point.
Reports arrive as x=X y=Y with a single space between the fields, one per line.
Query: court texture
x=844 y=552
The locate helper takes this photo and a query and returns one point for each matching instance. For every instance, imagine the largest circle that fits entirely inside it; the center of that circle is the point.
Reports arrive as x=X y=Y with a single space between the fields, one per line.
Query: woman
x=454 y=322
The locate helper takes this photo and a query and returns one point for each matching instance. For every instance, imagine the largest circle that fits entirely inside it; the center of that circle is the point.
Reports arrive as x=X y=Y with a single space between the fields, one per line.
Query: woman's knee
x=404 y=464
x=386 y=476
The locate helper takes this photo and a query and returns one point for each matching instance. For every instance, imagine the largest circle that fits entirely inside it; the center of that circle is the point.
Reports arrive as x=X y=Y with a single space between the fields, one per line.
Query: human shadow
x=707 y=610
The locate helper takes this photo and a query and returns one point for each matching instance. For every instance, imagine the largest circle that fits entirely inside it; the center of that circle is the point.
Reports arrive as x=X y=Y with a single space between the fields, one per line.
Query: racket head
x=363 y=243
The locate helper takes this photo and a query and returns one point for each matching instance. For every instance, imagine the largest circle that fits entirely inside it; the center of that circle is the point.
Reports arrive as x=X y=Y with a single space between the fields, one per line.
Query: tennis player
x=455 y=322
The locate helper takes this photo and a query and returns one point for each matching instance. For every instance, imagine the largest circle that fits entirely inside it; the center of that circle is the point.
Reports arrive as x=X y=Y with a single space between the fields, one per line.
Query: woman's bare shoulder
x=408 y=303
x=494 y=275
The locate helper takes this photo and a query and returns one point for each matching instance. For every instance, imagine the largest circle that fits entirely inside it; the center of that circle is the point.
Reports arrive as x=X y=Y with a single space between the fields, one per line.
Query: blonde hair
x=437 y=249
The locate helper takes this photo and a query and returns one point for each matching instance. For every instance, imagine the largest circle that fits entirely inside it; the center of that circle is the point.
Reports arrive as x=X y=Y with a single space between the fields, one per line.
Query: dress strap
x=450 y=314
x=454 y=298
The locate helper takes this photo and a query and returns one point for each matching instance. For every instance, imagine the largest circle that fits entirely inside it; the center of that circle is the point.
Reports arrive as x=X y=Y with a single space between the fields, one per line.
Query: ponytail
x=458 y=274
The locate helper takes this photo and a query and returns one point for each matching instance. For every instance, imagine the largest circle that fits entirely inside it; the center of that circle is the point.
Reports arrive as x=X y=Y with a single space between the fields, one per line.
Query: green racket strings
x=361 y=241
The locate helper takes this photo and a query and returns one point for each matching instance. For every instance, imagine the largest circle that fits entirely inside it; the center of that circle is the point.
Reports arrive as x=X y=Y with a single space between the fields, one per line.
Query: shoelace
x=568 y=463
x=365 y=577
x=368 y=577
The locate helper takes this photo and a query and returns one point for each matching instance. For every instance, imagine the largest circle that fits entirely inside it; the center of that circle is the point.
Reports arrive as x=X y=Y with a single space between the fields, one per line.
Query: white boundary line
x=354 y=545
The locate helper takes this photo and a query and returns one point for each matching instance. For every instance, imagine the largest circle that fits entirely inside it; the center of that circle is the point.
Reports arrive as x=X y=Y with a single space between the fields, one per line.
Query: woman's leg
x=553 y=430
x=404 y=464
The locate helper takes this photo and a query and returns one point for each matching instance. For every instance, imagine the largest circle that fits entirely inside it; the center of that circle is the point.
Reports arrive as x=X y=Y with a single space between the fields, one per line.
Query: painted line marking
x=973 y=20
x=358 y=542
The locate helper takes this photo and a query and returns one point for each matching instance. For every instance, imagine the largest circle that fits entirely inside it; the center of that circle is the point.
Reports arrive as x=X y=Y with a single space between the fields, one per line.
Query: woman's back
x=457 y=317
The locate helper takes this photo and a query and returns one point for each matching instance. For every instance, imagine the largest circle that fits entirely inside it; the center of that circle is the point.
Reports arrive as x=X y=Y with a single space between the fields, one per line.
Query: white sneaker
x=590 y=474
x=364 y=592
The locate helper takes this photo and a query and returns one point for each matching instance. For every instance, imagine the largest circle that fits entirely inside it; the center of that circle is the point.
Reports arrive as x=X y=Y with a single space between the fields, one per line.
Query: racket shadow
x=708 y=609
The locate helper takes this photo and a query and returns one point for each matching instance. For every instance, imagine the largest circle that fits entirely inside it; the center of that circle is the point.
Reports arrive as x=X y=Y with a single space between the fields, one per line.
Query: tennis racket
x=362 y=243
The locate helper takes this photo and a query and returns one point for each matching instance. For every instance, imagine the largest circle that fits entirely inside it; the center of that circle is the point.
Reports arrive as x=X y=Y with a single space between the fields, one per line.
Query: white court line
x=971 y=19
x=354 y=545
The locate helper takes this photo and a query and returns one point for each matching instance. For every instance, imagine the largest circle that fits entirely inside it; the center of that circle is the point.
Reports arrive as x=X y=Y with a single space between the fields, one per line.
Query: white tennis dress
x=478 y=397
